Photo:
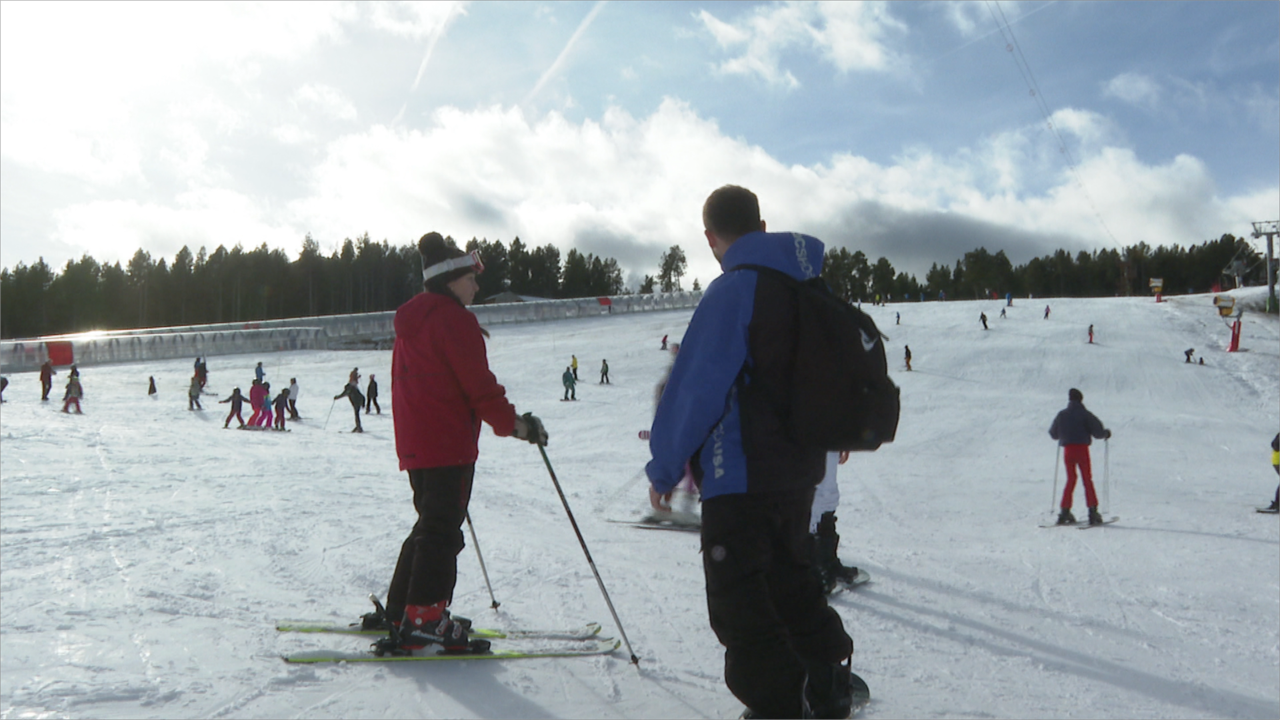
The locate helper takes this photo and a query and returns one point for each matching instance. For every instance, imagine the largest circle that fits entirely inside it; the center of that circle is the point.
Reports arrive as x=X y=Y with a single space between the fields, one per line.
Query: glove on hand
x=529 y=427
x=1107 y=436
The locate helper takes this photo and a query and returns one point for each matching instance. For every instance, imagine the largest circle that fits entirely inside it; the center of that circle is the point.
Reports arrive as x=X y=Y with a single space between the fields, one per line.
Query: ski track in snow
x=146 y=553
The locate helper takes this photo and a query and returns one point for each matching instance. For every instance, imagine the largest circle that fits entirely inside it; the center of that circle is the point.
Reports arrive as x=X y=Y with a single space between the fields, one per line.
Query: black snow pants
x=766 y=606
x=428 y=566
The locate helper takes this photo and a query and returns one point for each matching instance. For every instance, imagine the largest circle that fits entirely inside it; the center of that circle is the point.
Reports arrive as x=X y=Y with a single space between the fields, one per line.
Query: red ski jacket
x=441 y=386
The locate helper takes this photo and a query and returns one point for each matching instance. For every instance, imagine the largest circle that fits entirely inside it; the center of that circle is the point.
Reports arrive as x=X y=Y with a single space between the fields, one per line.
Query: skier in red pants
x=1074 y=428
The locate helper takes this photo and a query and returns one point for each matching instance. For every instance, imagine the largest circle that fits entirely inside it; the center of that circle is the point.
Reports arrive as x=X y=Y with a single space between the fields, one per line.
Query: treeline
x=241 y=286
x=1101 y=273
x=366 y=276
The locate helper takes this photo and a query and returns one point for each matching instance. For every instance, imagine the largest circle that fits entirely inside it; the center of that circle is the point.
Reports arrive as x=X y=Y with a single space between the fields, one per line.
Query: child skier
x=282 y=405
x=1275 y=463
x=265 y=419
x=73 y=393
x=237 y=401
x=1074 y=428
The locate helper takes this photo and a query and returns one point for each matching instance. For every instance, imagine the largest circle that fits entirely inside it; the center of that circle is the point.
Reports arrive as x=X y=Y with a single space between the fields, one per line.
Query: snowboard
x=1268 y=511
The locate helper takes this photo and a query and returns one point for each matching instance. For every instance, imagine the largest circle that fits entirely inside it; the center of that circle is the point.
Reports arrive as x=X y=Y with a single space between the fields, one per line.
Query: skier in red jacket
x=441 y=389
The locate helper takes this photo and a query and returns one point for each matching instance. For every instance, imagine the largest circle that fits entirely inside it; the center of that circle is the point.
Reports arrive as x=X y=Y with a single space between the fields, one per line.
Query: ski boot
x=380 y=619
x=1066 y=518
x=829 y=690
x=1095 y=518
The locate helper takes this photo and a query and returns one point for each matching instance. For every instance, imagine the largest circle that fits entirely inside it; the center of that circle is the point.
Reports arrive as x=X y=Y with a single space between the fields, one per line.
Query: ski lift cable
x=1024 y=69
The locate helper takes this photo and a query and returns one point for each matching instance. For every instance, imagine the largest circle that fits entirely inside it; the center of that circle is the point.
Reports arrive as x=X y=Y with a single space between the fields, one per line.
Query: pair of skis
x=1084 y=524
x=487 y=644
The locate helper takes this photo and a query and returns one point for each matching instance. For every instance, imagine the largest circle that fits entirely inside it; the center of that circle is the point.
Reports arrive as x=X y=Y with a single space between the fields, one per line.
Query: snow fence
x=327 y=332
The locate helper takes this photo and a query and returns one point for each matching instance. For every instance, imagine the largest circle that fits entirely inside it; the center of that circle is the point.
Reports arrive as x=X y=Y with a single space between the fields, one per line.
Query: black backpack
x=841 y=395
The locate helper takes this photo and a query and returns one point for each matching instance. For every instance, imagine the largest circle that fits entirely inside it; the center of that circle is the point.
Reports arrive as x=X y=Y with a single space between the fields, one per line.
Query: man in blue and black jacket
x=724 y=411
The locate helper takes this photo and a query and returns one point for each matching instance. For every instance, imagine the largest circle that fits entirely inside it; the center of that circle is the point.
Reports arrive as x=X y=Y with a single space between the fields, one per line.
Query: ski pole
x=483 y=569
x=1054 y=499
x=634 y=660
x=326 y=417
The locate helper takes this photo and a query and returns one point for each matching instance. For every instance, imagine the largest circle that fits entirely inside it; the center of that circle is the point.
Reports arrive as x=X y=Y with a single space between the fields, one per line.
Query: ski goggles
x=471 y=260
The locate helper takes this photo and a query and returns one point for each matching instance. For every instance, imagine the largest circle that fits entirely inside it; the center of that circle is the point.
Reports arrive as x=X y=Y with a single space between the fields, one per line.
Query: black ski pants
x=428 y=566
x=766 y=606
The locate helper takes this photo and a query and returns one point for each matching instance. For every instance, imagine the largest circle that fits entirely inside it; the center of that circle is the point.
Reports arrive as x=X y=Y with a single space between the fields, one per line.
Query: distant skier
x=46 y=379
x=1074 y=428
x=281 y=405
x=4 y=383
x=202 y=372
x=259 y=372
x=1002 y=314
x=237 y=402
x=570 y=384
x=983 y=318
x=1090 y=334
x=574 y=364
x=257 y=398
x=352 y=393
x=1046 y=312
x=1188 y=353
x=371 y=397
x=354 y=377
x=907 y=356
x=604 y=372
x=193 y=394
x=265 y=420
x=1275 y=463
x=897 y=318
x=293 y=399
x=664 y=342
x=74 y=392
x=151 y=387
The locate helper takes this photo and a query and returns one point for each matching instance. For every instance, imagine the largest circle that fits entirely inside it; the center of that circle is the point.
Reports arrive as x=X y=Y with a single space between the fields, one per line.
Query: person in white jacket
x=293 y=399
x=822 y=528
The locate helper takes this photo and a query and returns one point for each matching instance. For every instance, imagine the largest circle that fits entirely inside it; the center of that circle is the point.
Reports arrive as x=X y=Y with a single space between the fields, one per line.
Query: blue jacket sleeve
x=711 y=356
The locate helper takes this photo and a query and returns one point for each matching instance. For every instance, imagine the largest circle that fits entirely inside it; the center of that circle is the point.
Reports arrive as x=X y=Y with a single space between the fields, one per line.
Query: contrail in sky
x=431 y=45
x=555 y=66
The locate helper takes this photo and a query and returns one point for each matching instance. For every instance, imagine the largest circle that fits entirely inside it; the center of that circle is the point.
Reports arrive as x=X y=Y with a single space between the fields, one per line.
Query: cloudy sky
x=916 y=131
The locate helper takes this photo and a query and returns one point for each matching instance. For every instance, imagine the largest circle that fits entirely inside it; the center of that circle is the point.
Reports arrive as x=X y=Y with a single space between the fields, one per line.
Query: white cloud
x=114 y=230
x=850 y=36
x=326 y=100
x=416 y=20
x=1133 y=88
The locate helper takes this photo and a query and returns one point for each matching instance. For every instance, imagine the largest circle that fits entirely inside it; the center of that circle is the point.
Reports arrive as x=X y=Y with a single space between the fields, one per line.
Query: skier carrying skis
x=442 y=389
x=786 y=651
x=237 y=402
x=570 y=384
x=371 y=397
x=352 y=392
x=1074 y=428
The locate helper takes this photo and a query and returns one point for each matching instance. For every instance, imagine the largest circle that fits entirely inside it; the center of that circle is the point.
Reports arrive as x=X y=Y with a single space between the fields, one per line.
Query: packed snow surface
x=147 y=552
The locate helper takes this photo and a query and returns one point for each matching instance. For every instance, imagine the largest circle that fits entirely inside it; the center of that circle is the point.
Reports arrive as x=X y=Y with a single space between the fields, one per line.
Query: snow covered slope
x=145 y=552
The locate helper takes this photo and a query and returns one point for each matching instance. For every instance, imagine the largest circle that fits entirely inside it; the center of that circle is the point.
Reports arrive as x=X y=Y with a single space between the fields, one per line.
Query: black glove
x=1107 y=436
x=529 y=427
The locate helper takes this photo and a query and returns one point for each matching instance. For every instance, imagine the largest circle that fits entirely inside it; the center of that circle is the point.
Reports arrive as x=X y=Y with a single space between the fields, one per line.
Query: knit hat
x=1075 y=395
x=443 y=262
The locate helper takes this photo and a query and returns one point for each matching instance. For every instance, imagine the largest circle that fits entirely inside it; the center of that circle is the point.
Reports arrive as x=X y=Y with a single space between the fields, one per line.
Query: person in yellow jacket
x=574 y=366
